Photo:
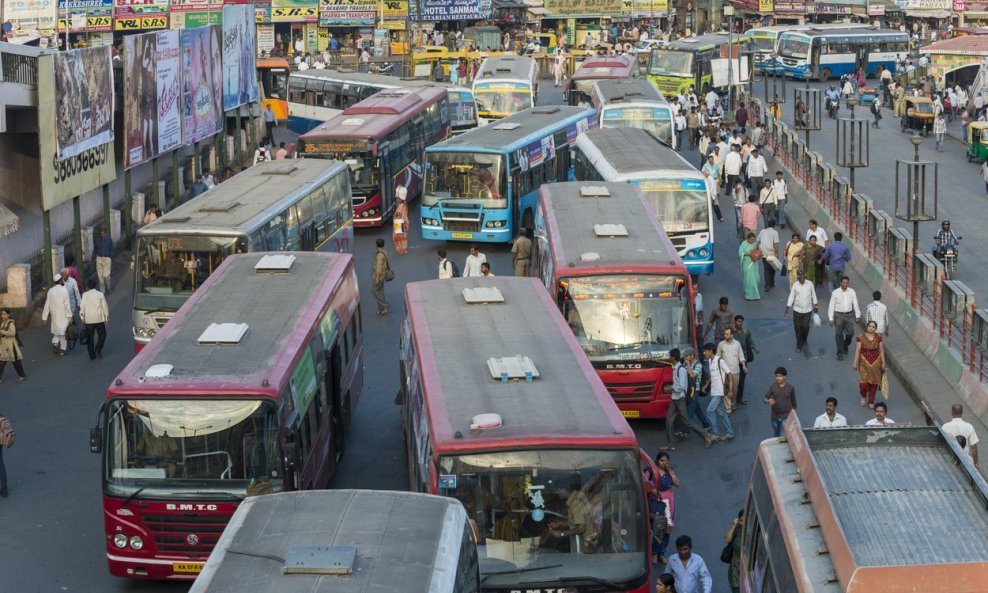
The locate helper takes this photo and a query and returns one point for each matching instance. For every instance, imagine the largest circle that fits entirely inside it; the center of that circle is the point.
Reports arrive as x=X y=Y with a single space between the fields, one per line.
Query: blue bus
x=674 y=188
x=828 y=53
x=483 y=185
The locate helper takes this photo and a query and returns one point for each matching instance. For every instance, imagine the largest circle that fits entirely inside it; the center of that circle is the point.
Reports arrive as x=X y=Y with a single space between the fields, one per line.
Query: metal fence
x=19 y=69
x=948 y=305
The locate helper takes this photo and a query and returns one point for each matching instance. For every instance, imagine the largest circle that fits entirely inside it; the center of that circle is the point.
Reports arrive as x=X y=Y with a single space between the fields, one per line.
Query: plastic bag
x=816 y=320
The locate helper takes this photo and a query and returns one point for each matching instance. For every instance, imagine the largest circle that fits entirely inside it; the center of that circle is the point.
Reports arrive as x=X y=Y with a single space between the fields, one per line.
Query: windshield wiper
x=229 y=495
x=133 y=495
x=576 y=580
x=517 y=571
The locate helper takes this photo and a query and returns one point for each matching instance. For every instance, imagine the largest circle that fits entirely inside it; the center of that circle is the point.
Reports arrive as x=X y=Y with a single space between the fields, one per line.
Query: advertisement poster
x=239 y=50
x=294 y=11
x=452 y=10
x=202 y=79
x=83 y=100
x=649 y=8
x=152 y=120
x=583 y=6
x=30 y=14
x=81 y=16
x=265 y=37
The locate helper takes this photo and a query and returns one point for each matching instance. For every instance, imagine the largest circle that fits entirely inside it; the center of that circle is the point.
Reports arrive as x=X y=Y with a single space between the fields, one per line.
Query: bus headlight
x=136 y=542
x=365 y=214
x=704 y=252
x=120 y=540
x=489 y=224
x=146 y=332
x=691 y=253
x=430 y=222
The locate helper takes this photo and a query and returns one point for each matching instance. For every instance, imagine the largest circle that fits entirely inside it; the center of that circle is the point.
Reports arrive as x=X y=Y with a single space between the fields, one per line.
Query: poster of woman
x=201 y=85
x=83 y=99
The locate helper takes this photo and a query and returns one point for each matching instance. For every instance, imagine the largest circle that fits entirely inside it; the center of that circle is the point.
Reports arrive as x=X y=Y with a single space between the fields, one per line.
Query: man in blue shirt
x=837 y=254
x=689 y=569
x=103 y=250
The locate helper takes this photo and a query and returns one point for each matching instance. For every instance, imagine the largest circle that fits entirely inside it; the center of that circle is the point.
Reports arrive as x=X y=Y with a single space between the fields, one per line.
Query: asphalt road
x=52 y=524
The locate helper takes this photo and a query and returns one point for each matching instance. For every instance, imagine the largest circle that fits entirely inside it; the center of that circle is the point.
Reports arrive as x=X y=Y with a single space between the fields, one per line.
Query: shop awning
x=9 y=222
x=537 y=10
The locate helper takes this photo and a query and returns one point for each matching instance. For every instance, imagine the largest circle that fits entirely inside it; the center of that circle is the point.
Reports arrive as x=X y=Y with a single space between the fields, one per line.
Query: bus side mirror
x=95 y=439
x=290 y=452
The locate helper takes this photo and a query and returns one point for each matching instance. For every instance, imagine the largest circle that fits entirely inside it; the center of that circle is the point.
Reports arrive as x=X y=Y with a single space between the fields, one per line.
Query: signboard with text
x=348 y=13
x=451 y=10
x=602 y=7
x=790 y=7
x=294 y=11
x=79 y=16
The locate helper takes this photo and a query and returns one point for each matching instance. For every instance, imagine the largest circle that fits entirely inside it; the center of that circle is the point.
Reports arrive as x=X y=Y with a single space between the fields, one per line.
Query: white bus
x=634 y=103
x=504 y=85
x=674 y=188
x=821 y=54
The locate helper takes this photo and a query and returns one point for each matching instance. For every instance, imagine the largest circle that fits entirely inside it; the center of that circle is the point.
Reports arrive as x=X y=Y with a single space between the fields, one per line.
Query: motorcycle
x=948 y=255
x=833 y=105
x=387 y=68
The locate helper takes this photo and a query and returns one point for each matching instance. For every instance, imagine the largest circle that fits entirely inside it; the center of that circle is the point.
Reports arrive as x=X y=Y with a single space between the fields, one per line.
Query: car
x=645 y=45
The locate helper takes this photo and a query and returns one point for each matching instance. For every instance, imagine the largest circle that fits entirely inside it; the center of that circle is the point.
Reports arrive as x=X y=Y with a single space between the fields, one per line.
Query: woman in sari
x=749 y=268
x=794 y=256
x=869 y=361
x=811 y=258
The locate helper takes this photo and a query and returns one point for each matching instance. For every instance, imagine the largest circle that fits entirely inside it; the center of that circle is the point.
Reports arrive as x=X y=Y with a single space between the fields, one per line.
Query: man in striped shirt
x=879 y=313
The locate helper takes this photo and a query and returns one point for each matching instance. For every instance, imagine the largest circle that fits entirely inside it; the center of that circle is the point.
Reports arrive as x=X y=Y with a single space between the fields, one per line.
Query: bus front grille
x=466 y=226
x=678 y=242
x=174 y=533
x=631 y=391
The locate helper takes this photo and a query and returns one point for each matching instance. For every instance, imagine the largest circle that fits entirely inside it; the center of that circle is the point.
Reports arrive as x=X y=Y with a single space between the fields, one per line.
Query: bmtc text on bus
x=502 y=410
x=619 y=283
x=249 y=389
x=382 y=140
x=287 y=205
x=483 y=185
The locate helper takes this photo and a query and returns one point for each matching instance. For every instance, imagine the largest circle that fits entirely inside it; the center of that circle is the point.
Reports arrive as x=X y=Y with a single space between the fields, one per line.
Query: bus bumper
x=485 y=236
x=154 y=569
x=698 y=268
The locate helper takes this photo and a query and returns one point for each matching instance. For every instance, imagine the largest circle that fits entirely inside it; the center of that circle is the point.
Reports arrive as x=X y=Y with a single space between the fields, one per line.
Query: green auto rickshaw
x=977 y=141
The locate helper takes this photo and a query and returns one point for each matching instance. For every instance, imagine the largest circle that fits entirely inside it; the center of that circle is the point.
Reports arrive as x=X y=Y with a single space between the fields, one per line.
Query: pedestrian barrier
x=948 y=306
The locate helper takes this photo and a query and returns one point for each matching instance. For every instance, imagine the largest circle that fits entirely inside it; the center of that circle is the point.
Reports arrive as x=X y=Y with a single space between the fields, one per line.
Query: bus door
x=386 y=177
x=861 y=57
x=339 y=412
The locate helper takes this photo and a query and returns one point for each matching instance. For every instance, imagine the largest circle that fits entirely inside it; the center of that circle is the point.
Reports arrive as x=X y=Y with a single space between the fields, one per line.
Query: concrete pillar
x=231 y=157
x=183 y=183
x=87 y=244
x=161 y=192
x=114 y=225
x=137 y=208
x=57 y=261
x=18 y=293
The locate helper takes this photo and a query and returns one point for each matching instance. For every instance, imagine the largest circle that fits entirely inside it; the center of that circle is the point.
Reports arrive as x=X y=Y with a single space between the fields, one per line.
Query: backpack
x=7 y=433
x=874 y=106
x=456 y=269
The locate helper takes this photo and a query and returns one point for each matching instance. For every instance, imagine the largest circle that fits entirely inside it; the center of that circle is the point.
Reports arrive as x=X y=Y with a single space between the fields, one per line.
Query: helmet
x=945 y=223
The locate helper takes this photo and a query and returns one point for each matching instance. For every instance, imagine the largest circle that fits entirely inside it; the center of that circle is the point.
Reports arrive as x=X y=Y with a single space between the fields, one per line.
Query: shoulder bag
x=389 y=274
x=756 y=254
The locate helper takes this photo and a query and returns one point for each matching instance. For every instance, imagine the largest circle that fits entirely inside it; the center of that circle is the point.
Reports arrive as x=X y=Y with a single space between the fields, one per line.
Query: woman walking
x=794 y=256
x=733 y=537
x=750 y=255
x=666 y=479
x=10 y=349
x=869 y=361
x=812 y=253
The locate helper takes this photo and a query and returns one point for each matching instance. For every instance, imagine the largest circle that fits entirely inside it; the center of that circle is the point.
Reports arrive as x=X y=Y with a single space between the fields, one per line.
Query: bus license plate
x=631 y=413
x=187 y=567
x=462 y=236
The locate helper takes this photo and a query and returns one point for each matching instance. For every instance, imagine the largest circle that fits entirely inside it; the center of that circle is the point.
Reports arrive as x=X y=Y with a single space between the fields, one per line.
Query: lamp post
x=810 y=121
x=920 y=181
x=775 y=90
x=729 y=12
x=853 y=141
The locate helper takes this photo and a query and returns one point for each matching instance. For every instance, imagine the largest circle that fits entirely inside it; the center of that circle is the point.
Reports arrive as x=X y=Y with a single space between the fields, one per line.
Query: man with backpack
x=7 y=436
x=447 y=267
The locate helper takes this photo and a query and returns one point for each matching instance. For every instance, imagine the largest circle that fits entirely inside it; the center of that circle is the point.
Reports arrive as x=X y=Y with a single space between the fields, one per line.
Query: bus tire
x=528 y=220
x=825 y=75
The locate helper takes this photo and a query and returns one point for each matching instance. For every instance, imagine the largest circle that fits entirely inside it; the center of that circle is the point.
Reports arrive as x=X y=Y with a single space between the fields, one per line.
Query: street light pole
x=729 y=12
x=916 y=139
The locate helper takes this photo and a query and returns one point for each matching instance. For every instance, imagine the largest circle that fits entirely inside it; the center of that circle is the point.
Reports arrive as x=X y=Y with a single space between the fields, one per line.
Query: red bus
x=383 y=140
x=580 y=85
x=249 y=389
x=622 y=288
x=502 y=411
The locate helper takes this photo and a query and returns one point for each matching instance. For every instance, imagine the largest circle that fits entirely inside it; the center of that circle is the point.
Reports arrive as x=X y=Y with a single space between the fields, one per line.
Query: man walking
x=721 y=318
x=781 y=195
x=960 y=428
x=830 y=418
x=757 y=168
x=379 y=276
x=521 y=252
x=471 y=267
x=103 y=250
x=270 y=122
x=881 y=416
x=750 y=213
x=743 y=336
x=720 y=379
x=677 y=405
x=781 y=396
x=879 y=313
x=732 y=166
x=768 y=200
x=446 y=268
x=731 y=352
x=842 y=315
x=58 y=309
x=939 y=131
x=688 y=570
x=95 y=313
x=768 y=243
x=802 y=301
x=837 y=254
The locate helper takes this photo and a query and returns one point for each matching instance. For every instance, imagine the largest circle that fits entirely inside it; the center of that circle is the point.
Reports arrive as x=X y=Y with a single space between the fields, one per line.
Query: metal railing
x=19 y=69
x=948 y=305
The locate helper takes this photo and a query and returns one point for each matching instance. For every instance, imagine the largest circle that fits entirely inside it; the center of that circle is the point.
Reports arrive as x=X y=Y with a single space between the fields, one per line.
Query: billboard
x=239 y=51
x=152 y=120
x=601 y=7
x=79 y=16
x=64 y=178
x=348 y=13
x=202 y=79
x=30 y=14
x=83 y=100
x=294 y=11
x=452 y=10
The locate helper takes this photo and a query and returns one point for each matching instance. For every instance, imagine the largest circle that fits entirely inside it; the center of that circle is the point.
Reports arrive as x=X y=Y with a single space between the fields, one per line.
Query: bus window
x=279 y=84
x=305 y=212
x=468 y=564
x=290 y=217
x=296 y=90
x=274 y=235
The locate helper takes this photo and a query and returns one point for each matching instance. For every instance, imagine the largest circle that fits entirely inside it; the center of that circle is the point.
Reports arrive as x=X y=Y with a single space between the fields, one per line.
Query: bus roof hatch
x=515 y=367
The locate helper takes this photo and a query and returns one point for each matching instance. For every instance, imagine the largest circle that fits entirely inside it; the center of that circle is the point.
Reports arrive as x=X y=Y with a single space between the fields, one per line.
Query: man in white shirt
x=817 y=231
x=960 y=428
x=757 y=168
x=802 y=301
x=768 y=242
x=842 y=314
x=720 y=379
x=830 y=418
x=781 y=194
x=881 y=416
x=445 y=266
x=732 y=353
x=732 y=165
x=879 y=313
x=768 y=201
x=471 y=267
x=711 y=99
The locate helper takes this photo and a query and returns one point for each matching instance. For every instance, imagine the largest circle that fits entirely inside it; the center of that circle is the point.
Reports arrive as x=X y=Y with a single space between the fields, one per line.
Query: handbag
x=727 y=554
x=72 y=332
x=884 y=387
x=756 y=254
x=389 y=275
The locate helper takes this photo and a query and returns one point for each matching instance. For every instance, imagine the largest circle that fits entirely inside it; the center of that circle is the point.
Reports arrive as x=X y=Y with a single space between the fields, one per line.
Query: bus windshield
x=465 y=176
x=656 y=121
x=681 y=209
x=763 y=43
x=627 y=316
x=195 y=444
x=671 y=62
x=494 y=100
x=792 y=47
x=520 y=500
x=363 y=174
x=171 y=267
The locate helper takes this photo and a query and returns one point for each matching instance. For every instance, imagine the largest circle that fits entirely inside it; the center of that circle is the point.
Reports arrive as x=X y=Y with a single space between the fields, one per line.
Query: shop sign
x=751 y=5
x=766 y=6
x=790 y=7
x=960 y=5
x=138 y=23
x=265 y=37
x=876 y=10
x=602 y=7
x=827 y=8
x=453 y=10
x=928 y=5
x=294 y=11
x=262 y=14
x=649 y=8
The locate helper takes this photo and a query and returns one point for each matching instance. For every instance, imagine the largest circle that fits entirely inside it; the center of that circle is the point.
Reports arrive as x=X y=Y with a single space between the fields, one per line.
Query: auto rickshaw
x=977 y=141
x=547 y=41
x=919 y=115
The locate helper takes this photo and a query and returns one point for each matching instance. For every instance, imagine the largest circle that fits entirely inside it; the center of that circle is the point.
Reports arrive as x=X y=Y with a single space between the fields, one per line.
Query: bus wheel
x=528 y=220
x=825 y=75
